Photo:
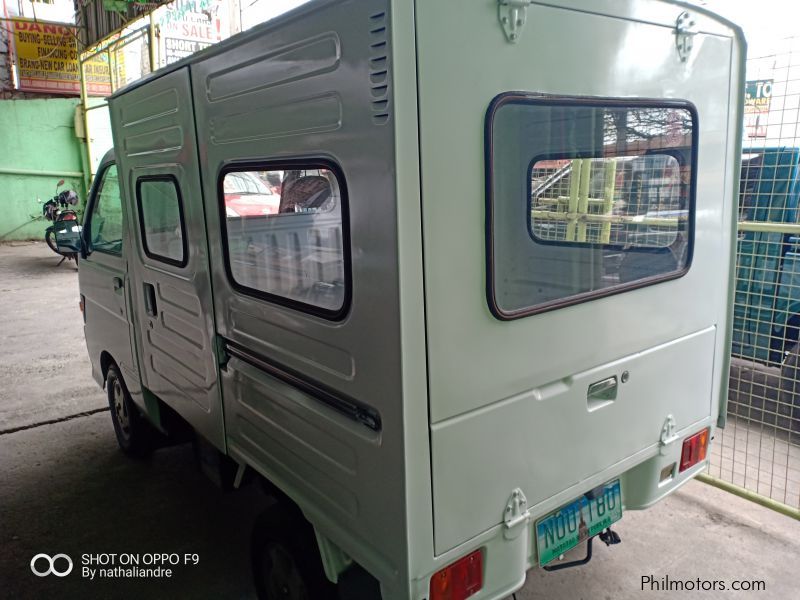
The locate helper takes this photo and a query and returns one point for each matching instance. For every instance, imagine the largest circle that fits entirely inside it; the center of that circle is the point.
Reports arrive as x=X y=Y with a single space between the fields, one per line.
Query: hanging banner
x=97 y=73
x=188 y=26
x=757 y=96
x=46 y=59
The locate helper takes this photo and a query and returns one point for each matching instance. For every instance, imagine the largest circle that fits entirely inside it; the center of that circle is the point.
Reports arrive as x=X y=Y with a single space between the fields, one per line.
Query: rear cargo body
x=509 y=402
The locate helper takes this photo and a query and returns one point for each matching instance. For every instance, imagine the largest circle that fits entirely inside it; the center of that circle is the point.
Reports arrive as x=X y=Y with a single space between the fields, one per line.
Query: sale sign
x=188 y=26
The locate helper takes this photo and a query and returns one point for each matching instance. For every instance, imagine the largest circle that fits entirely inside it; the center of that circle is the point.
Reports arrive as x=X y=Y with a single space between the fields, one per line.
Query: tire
x=285 y=558
x=135 y=436
x=50 y=238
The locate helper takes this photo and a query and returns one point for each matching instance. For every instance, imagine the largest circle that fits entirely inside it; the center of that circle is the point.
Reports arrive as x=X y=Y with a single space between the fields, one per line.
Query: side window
x=285 y=232
x=587 y=197
x=161 y=219
x=105 y=220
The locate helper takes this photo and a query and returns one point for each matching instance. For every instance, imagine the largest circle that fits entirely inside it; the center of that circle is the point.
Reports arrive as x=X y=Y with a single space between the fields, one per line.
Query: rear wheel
x=50 y=238
x=135 y=436
x=285 y=558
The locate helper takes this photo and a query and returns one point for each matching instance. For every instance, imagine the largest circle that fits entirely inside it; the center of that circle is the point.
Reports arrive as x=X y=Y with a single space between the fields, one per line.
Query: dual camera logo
x=43 y=565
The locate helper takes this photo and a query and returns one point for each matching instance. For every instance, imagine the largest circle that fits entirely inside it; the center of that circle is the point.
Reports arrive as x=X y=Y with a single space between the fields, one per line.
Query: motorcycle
x=64 y=219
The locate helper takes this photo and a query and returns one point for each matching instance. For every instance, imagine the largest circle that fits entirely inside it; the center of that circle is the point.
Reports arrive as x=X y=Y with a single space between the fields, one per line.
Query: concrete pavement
x=44 y=369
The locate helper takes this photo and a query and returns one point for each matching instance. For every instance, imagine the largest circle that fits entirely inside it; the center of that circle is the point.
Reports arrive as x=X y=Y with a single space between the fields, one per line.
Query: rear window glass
x=586 y=198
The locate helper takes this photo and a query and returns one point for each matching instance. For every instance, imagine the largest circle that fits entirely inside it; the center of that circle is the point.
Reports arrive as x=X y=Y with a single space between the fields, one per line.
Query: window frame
x=307 y=163
x=528 y=98
x=88 y=242
x=184 y=242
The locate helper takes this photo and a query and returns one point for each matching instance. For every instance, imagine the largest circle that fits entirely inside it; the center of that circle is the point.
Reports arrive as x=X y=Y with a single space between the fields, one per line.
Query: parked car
x=246 y=195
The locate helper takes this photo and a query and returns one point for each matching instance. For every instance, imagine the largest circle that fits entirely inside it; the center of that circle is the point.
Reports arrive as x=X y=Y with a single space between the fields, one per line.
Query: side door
x=103 y=278
x=171 y=285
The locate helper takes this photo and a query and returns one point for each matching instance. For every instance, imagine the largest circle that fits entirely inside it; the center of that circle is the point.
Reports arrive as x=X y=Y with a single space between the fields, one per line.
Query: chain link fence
x=758 y=453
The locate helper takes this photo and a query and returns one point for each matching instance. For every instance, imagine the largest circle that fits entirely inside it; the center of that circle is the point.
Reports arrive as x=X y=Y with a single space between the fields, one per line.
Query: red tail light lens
x=460 y=580
x=694 y=449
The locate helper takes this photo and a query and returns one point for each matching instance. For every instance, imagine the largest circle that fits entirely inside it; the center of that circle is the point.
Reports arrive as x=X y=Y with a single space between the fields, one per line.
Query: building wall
x=37 y=148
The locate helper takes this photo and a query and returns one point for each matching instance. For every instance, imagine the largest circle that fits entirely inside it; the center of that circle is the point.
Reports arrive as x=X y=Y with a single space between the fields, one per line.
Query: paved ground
x=64 y=487
x=44 y=369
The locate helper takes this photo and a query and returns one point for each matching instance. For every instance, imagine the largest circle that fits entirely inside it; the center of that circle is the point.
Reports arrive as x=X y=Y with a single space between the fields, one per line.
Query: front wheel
x=135 y=436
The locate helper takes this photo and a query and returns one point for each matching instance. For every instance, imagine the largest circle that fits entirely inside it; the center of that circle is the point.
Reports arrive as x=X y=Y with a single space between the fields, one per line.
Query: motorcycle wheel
x=50 y=238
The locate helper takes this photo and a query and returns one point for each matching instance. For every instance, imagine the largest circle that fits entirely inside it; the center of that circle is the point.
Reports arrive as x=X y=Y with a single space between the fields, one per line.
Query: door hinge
x=516 y=514
x=668 y=434
x=685 y=30
x=512 y=15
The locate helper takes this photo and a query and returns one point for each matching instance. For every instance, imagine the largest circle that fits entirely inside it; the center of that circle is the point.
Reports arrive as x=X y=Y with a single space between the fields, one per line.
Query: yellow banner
x=46 y=59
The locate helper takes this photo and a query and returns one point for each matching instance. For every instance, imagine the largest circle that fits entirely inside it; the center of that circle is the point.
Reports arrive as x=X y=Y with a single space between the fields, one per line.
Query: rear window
x=585 y=198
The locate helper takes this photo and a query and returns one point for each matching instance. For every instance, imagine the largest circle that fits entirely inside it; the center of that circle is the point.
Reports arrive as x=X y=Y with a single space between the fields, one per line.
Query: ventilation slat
x=379 y=67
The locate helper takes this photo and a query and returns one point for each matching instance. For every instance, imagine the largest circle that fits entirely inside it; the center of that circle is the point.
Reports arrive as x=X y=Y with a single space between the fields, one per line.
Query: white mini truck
x=453 y=278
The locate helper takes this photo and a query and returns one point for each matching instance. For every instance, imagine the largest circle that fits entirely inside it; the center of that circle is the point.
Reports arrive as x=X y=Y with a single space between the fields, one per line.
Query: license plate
x=576 y=522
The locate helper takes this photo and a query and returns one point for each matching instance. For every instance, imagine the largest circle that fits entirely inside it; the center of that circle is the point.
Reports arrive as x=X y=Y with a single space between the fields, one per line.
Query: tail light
x=459 y=580
x=82 y=306
x=694 y=449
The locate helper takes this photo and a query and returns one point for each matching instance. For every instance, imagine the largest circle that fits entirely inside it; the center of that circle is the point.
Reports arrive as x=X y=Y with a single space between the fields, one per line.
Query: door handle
x=150 y=300
x=118 y=283
x=604 y=390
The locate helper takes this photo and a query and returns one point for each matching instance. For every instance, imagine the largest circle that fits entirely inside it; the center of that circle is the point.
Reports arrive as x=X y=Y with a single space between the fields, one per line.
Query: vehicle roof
x=232 y=41
x=601 y=7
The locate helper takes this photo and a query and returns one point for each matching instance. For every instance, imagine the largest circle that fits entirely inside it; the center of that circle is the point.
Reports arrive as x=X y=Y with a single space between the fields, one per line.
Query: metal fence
x=757 y=455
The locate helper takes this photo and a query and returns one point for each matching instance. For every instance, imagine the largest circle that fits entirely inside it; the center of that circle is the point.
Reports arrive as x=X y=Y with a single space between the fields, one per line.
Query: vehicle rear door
x=579 y=307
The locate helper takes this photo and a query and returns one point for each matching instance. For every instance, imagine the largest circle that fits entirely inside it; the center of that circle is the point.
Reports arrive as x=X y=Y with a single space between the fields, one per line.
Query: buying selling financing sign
x=46 y=58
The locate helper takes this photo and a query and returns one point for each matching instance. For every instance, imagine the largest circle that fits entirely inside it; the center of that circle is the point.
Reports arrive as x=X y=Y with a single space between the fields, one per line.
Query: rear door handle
x=603 y=390
x=150 y=300
x=118 y=283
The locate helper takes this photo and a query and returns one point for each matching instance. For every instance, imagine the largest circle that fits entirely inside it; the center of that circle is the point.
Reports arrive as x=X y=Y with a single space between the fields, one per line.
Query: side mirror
x=60 y=183
x=68 y=236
